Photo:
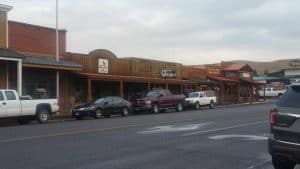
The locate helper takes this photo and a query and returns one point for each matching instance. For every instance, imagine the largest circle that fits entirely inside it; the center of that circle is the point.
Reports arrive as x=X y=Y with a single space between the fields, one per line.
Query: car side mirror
x=105 y=103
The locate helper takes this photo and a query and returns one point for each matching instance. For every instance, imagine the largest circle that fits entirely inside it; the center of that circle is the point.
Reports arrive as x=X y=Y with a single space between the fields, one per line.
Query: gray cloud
x=191 y=32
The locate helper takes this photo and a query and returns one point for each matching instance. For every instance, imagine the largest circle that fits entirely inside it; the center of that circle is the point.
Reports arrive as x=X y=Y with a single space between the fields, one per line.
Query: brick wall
x=2 y=29
x=36 y=40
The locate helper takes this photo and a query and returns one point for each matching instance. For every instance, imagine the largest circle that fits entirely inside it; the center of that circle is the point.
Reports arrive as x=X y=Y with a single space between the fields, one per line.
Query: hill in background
x=267 y=67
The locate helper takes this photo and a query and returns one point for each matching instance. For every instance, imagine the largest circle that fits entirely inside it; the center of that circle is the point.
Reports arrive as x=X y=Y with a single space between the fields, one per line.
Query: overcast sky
x=185 y=31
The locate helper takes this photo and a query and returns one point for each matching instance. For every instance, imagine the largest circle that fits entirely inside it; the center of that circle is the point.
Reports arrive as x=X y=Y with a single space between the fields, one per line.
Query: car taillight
x=273 y=116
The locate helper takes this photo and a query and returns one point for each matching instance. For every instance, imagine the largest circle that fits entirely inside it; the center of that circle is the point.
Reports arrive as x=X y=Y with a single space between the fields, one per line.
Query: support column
x=89 y=90
x=149 y=86
x=181 y=89
x=57 y=85
x=238 y=92
x=167 y=86
x=7 y=75
x=121 y=88
x=19 y=77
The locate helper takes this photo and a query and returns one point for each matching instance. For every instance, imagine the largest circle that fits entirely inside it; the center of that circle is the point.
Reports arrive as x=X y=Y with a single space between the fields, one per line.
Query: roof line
x=38 y=26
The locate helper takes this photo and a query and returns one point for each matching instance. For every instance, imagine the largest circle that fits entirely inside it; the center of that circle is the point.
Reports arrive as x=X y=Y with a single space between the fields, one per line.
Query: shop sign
x=168 y=73
x=245 y=75
x=295 y=63
x=214 y=71
x=102 y=65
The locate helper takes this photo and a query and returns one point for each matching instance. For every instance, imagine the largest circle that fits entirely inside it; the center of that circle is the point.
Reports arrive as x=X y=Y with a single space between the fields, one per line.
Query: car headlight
x=93 y=108
x=148 y=102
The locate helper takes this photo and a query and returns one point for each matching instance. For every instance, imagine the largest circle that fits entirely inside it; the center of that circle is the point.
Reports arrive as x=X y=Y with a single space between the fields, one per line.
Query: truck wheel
x=280 y=94
x=212 y=104
x=155 y=109
x=197 y=106
x=98 y=114
x=282 y=164
x=179 y=107
x=43 y=116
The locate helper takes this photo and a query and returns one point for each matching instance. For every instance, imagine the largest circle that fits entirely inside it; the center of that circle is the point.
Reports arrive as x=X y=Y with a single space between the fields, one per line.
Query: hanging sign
x=102 y=65
x=168 y=73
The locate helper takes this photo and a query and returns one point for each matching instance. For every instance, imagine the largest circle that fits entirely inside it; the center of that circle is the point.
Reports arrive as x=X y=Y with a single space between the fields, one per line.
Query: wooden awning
x=251 y=82
x=108 y=77
x=222 y=79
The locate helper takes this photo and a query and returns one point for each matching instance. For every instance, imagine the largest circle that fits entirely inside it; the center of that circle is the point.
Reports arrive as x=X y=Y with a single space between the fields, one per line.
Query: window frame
x=5 y=93
x=2 y=98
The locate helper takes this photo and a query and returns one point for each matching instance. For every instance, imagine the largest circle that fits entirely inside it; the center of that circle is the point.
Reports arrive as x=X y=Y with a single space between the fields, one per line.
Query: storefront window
x=230 y=74
x=39 y=84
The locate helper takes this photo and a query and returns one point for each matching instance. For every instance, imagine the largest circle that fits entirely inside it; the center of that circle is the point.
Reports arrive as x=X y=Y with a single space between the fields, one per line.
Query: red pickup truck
x=160 y=99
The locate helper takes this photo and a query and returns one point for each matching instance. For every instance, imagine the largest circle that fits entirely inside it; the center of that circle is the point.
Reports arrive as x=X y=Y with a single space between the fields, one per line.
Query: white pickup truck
x=14 y=106
x=271 y=92
x=199 y=99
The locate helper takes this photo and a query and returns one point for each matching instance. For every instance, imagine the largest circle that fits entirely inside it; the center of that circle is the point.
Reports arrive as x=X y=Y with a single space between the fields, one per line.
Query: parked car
x=284 y=142
x=199 y=99
x=271 y=92
x=103 y=107
x=25 y=109
x=159 y=99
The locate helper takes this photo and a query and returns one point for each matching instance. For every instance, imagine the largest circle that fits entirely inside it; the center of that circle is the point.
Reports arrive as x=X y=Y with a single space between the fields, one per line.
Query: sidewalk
x=244 y=104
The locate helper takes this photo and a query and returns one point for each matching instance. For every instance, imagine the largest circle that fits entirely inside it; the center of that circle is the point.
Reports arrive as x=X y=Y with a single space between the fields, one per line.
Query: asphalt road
x=222 y=138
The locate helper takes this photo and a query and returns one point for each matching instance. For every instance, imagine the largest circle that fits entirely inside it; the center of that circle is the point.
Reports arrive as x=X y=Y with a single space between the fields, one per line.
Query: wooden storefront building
x=104 y=74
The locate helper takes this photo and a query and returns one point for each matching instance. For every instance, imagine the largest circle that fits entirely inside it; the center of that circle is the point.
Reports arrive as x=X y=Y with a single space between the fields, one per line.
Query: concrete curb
x=241 y=104
x=221 y=106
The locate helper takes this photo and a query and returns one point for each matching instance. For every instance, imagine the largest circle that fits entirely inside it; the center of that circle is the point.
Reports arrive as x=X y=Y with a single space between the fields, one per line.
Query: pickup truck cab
x=203 y=98
x=160 y=99
x=14 y=106
x=271 y=92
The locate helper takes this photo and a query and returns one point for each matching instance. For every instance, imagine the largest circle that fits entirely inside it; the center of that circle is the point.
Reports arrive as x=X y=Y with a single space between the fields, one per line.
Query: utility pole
x=57 y=52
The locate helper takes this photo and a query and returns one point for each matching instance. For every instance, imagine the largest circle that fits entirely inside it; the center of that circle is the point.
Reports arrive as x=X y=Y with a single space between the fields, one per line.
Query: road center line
x=224 y=128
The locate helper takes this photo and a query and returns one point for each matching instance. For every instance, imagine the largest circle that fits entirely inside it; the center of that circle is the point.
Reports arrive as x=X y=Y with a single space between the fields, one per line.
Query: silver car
x=284 y=143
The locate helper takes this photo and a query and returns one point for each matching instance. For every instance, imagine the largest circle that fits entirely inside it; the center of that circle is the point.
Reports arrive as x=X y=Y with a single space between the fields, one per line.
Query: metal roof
x=38 y=60
x=5 y=52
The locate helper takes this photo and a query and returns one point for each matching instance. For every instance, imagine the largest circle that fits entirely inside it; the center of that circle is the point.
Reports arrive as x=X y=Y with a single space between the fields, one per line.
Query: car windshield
x=152 y=94
x=193 y=95
x=98 y=101
x=290 y=98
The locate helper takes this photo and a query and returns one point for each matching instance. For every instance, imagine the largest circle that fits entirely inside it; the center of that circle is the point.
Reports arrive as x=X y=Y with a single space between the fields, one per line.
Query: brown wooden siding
x=189 y=72
x=3 y=30
x=126 y=67
x=3 y=75
x=67 y=92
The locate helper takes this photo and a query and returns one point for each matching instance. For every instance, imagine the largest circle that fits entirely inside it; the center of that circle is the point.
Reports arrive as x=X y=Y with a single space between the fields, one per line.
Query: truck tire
x=211 y=105
x=43 y=116
x=197 y=106
x=179 y=107
x=155 y=109
x=282 y=164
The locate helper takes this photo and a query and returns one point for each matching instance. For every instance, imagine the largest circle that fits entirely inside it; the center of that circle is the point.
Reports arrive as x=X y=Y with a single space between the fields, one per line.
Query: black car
x=104 y=107
x=284 y=142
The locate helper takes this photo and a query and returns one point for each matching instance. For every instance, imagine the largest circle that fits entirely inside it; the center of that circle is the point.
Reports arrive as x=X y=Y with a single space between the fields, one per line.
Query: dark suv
x=284 y=143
